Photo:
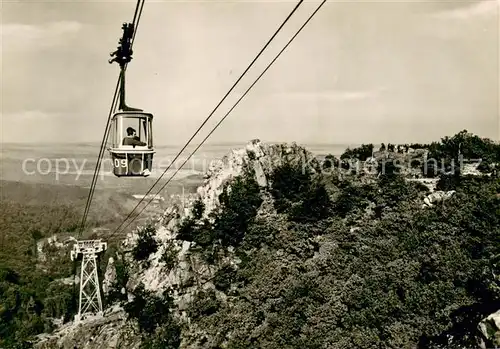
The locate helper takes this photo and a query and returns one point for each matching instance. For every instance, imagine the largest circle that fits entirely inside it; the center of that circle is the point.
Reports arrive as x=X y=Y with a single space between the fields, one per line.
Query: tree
x=149 y=310
x=239 y=204
x=298 y=194
x=146 y=244
x=361 y=153
x=330 y=162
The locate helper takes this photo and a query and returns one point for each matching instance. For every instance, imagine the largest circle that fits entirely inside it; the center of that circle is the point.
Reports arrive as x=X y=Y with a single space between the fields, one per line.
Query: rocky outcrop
x=490 y=329
x=51 y=245
x=109 y=276
x=436 y=197
x=260 y=157
x=471 y=170
x=110 y=331
x=152 y=272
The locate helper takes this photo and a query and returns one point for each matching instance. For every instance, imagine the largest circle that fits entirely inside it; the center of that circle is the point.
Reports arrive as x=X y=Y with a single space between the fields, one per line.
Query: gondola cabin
x=132 y=144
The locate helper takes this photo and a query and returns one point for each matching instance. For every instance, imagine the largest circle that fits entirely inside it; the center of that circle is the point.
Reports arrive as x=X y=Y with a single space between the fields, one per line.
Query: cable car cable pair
x=220 y=122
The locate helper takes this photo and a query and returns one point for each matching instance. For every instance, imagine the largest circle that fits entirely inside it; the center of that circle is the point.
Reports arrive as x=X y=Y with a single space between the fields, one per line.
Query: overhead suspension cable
x=225 y=116
x=213 y=111
x=137 y=16
x=98 y=164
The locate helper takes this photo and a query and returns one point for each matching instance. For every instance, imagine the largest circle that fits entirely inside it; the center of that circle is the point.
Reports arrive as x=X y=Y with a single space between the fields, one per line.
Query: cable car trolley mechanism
x=131 y=128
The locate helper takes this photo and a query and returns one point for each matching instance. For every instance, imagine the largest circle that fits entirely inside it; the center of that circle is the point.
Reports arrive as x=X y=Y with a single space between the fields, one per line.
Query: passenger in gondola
x=132 y=139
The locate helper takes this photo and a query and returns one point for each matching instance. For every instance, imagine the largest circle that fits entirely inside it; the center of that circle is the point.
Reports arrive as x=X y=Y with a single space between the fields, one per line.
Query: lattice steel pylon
x=90 y=301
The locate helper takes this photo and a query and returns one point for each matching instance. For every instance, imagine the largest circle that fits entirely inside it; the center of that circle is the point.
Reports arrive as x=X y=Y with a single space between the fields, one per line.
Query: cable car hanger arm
x=122 y=56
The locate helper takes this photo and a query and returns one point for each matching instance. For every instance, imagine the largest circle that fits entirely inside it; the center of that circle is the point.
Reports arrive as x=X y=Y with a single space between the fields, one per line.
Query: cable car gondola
x=131 y=128
x=132 y=143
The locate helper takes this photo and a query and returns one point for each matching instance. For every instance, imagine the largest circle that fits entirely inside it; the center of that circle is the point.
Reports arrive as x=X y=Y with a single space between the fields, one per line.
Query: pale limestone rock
x=490 y=328
x=105 y=332
x=438 y=196
x=471 y=169
x=109 y=276
x=259 y=174
x=70 y=280
x=264 y=159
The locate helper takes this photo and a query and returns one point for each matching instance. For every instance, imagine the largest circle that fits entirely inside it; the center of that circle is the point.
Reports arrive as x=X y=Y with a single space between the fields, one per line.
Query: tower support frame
x=90 y=300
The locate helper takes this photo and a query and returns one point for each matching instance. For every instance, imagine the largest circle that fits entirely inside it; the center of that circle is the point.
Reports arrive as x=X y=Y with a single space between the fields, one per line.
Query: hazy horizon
x=230 y=143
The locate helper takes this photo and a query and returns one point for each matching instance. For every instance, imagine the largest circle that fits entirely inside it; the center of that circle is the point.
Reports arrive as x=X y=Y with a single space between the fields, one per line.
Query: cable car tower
x=90 y=300
x=131 y=128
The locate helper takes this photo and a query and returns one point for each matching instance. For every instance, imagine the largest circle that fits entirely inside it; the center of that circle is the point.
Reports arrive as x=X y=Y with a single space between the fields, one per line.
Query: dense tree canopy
x=409 y=278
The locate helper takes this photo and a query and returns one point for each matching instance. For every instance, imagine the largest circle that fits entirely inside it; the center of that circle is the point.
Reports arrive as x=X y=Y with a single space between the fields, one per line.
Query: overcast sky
x=368 y=71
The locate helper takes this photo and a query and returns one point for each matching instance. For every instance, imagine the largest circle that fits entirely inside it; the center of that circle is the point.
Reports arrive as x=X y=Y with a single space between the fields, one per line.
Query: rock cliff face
x=262 y=158
x=105 y=332
x=109 y=276
x=490 y=329
x=190 y=272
